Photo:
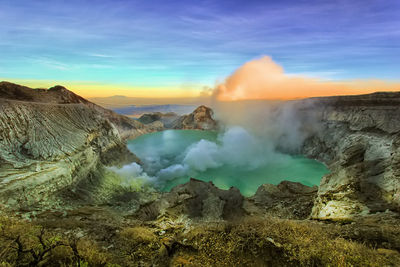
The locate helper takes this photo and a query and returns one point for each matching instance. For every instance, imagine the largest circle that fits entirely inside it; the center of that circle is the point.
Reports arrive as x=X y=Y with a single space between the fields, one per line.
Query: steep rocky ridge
x=53 y=138
x=358 y=138
x=127 y=128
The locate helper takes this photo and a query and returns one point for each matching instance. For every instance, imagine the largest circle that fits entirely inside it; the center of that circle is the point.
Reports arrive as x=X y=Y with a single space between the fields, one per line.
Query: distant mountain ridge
x=139 y=110
x=120 y=101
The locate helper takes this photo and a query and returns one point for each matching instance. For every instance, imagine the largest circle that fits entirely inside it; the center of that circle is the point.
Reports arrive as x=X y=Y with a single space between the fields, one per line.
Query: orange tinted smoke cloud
x=264 y=79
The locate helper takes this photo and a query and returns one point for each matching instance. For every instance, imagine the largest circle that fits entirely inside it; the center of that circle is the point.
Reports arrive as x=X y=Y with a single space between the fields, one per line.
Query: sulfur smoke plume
x=264 y=79
x=260 y=97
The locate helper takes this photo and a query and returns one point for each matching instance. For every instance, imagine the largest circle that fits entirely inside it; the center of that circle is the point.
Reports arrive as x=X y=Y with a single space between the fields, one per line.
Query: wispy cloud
x=152 y=41
x=101 y=55
x=51 y=63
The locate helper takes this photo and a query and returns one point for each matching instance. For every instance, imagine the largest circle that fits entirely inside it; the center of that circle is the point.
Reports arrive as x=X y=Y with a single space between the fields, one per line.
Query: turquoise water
x=173 y=156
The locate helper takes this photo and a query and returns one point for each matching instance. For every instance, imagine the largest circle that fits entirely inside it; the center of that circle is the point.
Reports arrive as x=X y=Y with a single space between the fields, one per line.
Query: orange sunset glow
x=264 y=79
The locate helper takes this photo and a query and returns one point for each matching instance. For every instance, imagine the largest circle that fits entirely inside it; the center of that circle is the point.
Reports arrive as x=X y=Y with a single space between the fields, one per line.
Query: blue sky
x=195 y=43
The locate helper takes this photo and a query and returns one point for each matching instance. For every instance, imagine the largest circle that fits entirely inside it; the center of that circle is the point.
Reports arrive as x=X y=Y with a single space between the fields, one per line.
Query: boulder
x=197 y=200
x=290 y=200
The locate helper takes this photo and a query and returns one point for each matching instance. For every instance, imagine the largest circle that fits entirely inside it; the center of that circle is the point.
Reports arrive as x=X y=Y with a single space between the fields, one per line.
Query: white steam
x=173 y=171
x=203 y=155
x=130 y=171
x=286 y=125
x=234 y=147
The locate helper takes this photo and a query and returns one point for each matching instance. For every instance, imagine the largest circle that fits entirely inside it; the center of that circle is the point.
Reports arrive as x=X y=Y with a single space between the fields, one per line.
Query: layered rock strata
x=358 y=138
x=50 y=139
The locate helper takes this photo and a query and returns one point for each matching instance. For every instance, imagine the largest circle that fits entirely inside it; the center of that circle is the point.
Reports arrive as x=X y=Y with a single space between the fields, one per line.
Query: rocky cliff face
x=359 y=140
x=50 y=139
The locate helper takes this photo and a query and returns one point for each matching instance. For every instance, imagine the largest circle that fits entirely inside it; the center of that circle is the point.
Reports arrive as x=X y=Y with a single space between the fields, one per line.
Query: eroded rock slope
x=50 y=139
x=359 y=140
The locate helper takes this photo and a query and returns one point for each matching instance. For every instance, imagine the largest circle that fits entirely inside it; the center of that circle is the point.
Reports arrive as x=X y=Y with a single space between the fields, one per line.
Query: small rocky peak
x=204 y=109
x=65 y=96
x=204 y=116
x=59 y=88
x=201 y=118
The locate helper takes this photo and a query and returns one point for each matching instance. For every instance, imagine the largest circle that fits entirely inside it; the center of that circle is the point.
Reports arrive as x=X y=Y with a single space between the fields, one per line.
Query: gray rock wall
x=359 y=141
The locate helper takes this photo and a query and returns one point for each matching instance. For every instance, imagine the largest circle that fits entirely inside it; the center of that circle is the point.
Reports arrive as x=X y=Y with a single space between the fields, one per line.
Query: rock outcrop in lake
x=359 y=140
x=200 y=119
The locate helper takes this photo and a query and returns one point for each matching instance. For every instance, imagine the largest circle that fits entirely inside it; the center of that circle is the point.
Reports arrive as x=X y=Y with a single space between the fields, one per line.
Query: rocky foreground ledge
x=199 y=200
x=197 y=224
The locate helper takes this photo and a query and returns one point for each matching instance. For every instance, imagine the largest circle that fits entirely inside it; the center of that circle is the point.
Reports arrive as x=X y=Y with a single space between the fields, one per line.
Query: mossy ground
x=101 y=239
